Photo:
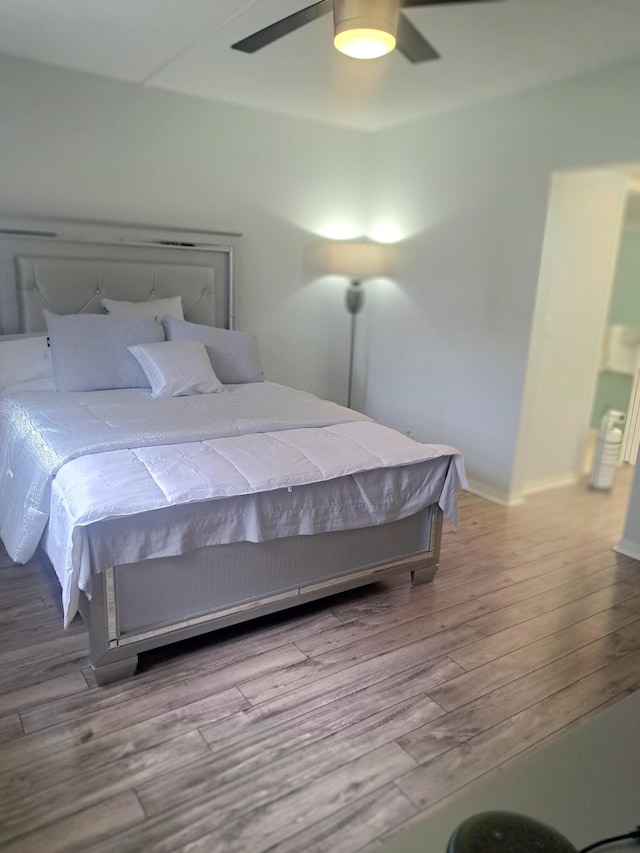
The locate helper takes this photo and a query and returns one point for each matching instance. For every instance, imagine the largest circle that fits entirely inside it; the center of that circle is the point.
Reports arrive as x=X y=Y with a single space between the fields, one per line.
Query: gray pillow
x=234 y=356
x=89 y=351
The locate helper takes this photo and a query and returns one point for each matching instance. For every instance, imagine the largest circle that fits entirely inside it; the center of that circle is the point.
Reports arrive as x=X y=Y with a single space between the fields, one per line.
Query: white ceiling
x=488 y=51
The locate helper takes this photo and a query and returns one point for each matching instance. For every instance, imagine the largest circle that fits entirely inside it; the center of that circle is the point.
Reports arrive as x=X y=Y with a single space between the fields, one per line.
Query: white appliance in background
x=607 y=452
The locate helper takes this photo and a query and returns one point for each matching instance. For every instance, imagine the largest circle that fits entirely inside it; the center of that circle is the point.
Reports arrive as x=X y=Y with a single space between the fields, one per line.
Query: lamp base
x=355 y=297
x=507 y=832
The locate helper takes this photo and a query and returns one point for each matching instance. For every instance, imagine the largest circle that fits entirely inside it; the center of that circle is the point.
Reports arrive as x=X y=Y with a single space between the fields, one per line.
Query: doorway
x=616 y=382
x=585 y=221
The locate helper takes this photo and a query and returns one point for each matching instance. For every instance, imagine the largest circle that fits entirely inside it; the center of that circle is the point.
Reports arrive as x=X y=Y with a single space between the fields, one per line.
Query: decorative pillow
x=177 y=368
x=23 y=358
x=235 y=356
x=89 y=351
x=154 y=308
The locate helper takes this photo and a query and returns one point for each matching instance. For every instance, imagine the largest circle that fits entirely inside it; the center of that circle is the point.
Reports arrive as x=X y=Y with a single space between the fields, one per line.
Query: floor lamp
x=358 y=260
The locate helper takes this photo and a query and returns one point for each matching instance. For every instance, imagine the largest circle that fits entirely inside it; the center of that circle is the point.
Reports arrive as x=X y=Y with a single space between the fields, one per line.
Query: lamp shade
x=355 y=259
x=365 y=29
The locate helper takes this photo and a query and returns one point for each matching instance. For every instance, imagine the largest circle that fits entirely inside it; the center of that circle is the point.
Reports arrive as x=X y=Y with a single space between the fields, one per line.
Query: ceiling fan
x=363 y=28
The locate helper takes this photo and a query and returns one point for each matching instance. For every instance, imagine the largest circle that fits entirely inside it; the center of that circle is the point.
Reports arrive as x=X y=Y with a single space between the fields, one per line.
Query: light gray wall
x=448 y=346
x=74 y=146
x=629 y=545
x=443 y=347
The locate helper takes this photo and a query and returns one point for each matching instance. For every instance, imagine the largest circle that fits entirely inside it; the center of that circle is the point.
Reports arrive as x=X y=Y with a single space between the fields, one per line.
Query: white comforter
x=74 y=460
x=40 y=432
x=127 y=482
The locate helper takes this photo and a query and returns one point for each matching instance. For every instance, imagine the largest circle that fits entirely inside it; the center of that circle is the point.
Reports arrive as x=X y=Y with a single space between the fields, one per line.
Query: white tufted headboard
x=67 y=267
x=77 y=286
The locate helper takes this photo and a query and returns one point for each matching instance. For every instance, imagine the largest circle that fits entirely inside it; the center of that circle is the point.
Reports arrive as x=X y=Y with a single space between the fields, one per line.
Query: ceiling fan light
x=364 y=43
x=365 y=29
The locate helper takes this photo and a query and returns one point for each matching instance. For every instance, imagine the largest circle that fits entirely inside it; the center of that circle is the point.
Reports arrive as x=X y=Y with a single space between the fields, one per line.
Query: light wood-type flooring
x=327 y=728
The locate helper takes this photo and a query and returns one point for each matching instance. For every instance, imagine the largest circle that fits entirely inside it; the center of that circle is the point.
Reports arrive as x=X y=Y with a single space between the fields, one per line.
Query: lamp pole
x=355 y=299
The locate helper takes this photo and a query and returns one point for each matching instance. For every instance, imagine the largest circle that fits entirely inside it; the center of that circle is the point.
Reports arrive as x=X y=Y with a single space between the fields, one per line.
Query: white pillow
x=23 y=359
x=177 y=368
x=155 y=308
x=47 y=384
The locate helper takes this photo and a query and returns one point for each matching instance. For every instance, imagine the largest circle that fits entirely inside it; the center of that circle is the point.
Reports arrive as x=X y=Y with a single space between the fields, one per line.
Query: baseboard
x=490 y=493
x=628 y=549
x=546 y=483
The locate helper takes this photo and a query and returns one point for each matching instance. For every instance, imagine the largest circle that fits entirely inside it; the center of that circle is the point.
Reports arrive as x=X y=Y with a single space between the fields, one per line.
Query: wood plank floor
x=330 y=727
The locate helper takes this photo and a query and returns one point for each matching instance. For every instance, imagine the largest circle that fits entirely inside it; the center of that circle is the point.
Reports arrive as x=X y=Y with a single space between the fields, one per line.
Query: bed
x=167 y=515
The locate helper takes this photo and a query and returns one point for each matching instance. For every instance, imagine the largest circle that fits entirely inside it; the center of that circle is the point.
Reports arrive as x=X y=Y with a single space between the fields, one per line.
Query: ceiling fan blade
x=283 y=27
x=406 y=4
x=413 y=44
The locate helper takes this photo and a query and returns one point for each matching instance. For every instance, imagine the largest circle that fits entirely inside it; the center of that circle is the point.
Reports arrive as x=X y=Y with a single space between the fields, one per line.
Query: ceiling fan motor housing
x=366 y=15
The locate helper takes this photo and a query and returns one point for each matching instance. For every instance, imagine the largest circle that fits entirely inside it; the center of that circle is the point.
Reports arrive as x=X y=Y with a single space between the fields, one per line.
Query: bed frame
x=142 y=606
